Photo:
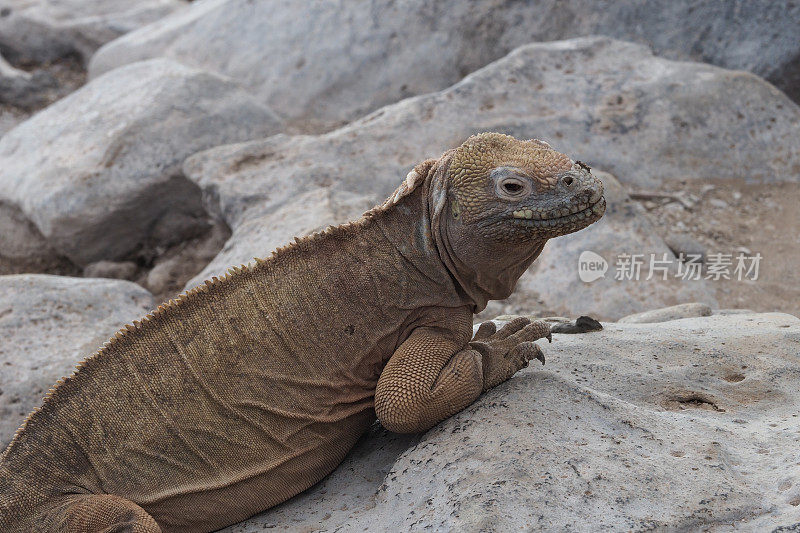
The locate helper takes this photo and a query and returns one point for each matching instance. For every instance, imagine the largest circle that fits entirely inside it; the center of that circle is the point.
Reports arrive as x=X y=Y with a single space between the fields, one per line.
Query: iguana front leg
x=432 y=375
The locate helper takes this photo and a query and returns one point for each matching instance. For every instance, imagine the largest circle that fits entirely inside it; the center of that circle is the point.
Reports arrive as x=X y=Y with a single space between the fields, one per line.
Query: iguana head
x=519 y=192
x=496 y=200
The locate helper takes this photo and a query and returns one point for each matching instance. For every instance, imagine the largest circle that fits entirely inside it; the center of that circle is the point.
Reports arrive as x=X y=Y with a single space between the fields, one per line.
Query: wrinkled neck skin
x=484 y=270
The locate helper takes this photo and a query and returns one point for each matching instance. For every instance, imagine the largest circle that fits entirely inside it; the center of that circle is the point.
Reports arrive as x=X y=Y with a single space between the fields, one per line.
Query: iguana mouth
x=566 y=215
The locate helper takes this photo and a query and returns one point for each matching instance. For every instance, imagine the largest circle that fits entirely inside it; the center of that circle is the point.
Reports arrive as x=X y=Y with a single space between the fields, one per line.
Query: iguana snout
x=573 y=202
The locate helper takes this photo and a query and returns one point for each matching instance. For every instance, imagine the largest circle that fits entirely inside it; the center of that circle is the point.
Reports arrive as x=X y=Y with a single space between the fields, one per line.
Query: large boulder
x=99 y=172
x=42 y=31
x=322 y=63
x=47 y=325
x=609 y=103
x=684 y=425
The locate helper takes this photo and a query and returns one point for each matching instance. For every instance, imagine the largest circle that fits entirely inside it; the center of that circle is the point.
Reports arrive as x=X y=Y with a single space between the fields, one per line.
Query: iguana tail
x=93 y=513
x=88 y=513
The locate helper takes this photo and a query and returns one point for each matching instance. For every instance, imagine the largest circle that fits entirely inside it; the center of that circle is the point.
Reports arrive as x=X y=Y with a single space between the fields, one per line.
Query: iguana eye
x=510 y=184
x=512 y=187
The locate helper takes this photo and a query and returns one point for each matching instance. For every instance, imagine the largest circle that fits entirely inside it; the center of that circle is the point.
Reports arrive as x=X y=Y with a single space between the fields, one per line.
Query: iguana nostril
x=567 y=180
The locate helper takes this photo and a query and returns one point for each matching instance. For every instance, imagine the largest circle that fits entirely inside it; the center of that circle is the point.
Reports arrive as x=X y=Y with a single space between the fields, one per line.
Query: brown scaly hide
x=251 y=388
x=242 y=393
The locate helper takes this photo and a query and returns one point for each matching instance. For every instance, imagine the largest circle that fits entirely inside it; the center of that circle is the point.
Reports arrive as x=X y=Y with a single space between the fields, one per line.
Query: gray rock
x=175 y=267
x=257 y=233
x=688 y=310
x=321 y=63
x=679 y=426
x=10 y=116
x=681 y=243
x=23 y=89
x=731 y=311
x=502 y=319
x=99 y=172
x=111 y=269
x=719 y=204
x=47 y=325
x=42 y=31
x=582 y=324
x=23 y=248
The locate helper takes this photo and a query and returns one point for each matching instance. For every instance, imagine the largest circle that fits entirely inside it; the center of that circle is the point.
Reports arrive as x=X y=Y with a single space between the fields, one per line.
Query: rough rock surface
x=10 y=116
x=668 y=313
x=23 y=248
x=171 y=270
x=99 y=171
x=47 y=325
x=111 y=270
x=754 y=215
x=42 y=31
x=347 y=59
x=608 y=103
x=23 y=89
x=681 y=243
x=684 y=425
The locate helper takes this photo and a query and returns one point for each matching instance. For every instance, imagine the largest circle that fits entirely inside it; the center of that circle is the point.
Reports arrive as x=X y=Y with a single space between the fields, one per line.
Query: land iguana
x=247 y=390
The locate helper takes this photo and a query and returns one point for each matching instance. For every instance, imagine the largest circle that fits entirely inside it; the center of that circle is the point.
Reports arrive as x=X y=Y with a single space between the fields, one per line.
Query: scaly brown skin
x=250 y=389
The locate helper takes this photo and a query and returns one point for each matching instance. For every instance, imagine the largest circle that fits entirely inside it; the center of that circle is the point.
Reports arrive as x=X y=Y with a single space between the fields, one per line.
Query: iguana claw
x=529 y=351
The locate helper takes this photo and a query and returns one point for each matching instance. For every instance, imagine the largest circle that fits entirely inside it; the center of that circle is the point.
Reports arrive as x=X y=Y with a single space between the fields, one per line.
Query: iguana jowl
x=251 y=388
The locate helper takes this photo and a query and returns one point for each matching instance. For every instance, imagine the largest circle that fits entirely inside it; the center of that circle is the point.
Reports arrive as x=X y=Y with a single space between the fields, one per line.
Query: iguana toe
x=527 y=351
x=485 y=330
x=512 y=328
x=531 y=332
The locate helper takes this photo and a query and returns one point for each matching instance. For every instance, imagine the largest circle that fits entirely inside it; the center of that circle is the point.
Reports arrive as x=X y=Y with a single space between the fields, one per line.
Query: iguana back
x=239 y=395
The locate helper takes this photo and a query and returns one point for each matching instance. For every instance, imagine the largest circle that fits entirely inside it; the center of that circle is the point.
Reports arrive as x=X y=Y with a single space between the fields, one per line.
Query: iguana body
x=250 y=389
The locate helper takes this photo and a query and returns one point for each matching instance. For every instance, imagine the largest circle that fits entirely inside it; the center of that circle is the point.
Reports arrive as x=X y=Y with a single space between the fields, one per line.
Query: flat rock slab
x=42 y=31
x=684 y=425
x=322 y=63
x=47 y=325
x=675 y=312
x=99 y=172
